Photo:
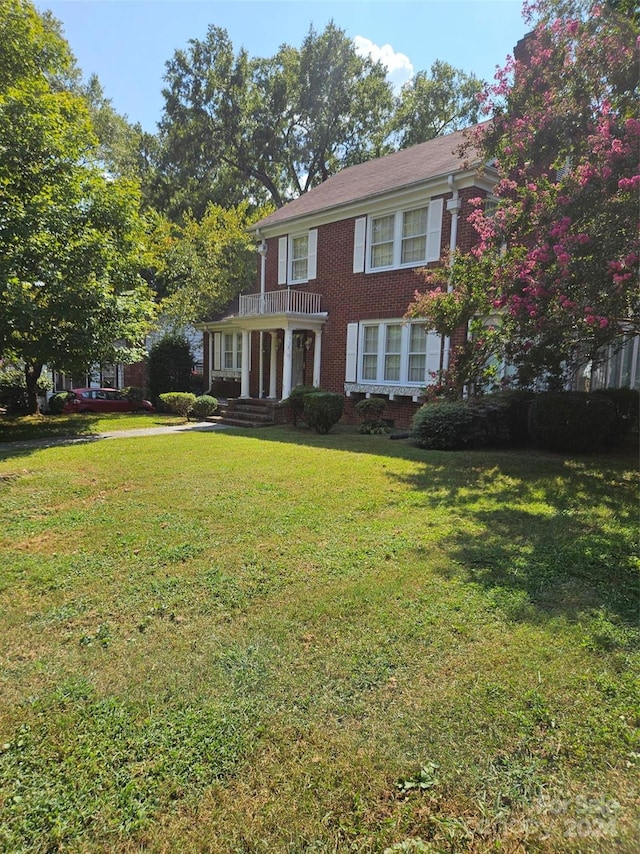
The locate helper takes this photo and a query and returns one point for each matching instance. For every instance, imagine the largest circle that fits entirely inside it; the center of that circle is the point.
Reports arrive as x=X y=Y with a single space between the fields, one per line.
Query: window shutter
x=434 y=229
x=358 y=244
x=282 y=260
x=313 y=253
x=217 y=351
x=352 y=353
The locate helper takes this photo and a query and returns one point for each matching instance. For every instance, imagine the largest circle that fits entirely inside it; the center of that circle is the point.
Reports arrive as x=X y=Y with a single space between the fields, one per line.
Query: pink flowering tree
x=564 y=137
x=458 y=304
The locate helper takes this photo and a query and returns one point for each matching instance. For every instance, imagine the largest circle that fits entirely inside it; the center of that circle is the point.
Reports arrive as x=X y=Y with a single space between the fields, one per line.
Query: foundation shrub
x=625 y=418
x=570 y=421
x=296 y=400
x=512 y=412
x=322 y=410
x=450 y=426
x=203 y=406
x=179 y=402
x=370 y=412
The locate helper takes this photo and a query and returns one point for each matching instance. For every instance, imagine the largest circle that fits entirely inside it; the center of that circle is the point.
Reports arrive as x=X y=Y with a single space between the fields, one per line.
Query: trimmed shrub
x=296 y=400
x=511 y=413
x=57 y=401
x=370 y=411
x=449 y=426
x=627 y=408
x=371 y=408
x=570 y=421
x=323 y=409
x=179 y=402
x=203 y=406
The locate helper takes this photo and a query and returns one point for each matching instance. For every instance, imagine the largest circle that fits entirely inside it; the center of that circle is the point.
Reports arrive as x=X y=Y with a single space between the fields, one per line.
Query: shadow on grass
x=549 y=536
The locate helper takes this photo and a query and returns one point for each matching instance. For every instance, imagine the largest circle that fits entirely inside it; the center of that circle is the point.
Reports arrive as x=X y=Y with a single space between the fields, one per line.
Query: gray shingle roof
x=395 y=171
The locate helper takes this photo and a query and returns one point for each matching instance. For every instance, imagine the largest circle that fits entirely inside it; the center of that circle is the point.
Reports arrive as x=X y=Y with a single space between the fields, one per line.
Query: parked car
x=103 y=400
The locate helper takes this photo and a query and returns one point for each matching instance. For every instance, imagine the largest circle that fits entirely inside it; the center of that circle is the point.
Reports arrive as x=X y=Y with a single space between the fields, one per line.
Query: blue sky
x=127 y=42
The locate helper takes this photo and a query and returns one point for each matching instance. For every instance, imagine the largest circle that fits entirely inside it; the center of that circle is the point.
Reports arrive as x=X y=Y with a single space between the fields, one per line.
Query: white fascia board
x=395 y=199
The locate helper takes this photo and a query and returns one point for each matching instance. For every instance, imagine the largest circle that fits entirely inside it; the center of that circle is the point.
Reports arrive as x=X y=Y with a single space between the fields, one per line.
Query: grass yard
x=276 y=642
x=25 y=427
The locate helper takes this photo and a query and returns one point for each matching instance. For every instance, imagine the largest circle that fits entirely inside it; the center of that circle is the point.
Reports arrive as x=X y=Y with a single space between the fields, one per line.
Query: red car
x=103 y=400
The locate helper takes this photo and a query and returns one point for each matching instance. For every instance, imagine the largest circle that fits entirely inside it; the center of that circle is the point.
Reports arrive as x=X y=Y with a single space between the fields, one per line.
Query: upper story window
x=404 y=238
x=297 y=257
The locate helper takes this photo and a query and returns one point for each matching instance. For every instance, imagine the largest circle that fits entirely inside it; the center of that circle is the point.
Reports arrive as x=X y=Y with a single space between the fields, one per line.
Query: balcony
x=279 y=302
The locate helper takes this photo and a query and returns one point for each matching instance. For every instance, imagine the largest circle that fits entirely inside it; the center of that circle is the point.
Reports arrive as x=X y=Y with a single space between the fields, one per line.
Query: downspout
x=262 y=251
x=453 y=206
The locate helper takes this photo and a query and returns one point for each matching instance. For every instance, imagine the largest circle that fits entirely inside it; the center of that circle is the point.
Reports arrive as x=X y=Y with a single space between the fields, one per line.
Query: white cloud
x=399 y=67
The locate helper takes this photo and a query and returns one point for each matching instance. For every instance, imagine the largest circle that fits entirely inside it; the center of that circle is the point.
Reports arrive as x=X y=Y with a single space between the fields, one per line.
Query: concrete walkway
x=51 y=441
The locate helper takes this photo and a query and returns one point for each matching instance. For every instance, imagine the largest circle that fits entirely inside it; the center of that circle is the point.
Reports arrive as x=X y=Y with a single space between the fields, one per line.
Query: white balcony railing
x=280 y=302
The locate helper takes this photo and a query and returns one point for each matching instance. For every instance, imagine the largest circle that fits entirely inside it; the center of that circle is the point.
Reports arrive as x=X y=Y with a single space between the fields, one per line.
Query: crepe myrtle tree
x=564 y=136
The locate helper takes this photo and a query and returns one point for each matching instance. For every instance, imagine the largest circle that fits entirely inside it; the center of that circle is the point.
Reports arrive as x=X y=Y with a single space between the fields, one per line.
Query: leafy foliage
x=296 y=400
x=436 y=102
x=322 y=410
x=575 y=422
x=564 y=138
x=199 y=266
x=170 y=364
x=180 y=402
x=203 y=406
x=70 y=293
x=271 y=126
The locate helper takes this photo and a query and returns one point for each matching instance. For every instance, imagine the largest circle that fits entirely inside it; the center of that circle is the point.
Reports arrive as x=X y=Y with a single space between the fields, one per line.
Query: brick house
x=336 y=272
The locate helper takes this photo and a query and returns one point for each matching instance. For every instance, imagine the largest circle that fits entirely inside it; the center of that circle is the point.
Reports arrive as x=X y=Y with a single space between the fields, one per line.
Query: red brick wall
x=349 y=297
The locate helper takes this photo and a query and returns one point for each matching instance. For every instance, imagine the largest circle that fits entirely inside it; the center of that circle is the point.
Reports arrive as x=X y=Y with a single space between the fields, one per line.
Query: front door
x=297 y=365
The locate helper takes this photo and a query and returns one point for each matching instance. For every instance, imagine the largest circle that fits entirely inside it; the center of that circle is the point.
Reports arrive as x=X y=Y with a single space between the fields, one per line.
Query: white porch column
x=287 y=363
x=209 y=382
x=273 y=365
x=244 y=376
x=317 y=351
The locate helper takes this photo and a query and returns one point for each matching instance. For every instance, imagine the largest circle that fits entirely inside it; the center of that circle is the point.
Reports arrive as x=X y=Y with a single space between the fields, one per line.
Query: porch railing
x=280 y=302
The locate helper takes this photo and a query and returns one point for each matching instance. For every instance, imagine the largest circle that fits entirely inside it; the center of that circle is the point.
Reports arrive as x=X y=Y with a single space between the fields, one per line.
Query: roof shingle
x=439 y=156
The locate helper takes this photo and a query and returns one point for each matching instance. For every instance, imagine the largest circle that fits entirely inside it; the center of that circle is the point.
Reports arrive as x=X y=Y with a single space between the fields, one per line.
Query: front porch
x=269 y=345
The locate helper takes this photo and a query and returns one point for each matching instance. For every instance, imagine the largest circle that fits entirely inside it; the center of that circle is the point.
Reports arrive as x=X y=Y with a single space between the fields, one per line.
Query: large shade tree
x=273 y=127
x=557 y=256
x=70 y=238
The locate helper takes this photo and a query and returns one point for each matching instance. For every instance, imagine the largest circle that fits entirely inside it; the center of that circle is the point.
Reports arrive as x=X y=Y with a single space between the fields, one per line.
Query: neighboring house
x=122 y=376
x=337 y=271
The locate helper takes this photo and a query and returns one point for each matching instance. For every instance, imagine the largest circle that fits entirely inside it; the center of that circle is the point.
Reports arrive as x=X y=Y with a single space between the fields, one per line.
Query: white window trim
x=285 y=257
x=434 y=227
x=379 y=380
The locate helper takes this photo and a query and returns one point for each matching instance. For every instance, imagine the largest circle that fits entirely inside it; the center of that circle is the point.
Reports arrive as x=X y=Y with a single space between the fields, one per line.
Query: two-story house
x=337 y=271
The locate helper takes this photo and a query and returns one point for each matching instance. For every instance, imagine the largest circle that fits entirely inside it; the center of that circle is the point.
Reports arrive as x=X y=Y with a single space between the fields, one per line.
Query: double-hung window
x=299 y=258
x=232 y=351
x=297 y=254
x=397 y=353
x=404 y=238
x=414 y=236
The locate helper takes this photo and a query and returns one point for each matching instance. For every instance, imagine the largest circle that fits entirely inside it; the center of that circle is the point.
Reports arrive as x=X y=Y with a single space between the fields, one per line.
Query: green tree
x=70 y=240
x=431 y=104
x=170 y=365
x=199 y=266
x=270 y=128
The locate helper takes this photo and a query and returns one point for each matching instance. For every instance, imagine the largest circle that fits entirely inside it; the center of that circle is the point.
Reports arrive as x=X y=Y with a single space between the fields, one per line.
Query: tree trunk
x=32 y=373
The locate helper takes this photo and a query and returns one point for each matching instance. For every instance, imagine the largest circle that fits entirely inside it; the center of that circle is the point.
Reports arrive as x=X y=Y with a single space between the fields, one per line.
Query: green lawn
x=272 y=641
x=25 y=427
